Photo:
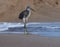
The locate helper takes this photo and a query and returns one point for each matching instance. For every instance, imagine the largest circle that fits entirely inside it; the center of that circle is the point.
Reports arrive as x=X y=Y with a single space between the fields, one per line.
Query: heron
x=24 y=15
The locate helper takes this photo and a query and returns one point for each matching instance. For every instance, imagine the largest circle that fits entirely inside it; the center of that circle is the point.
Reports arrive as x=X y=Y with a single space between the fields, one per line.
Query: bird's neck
x=28 y=10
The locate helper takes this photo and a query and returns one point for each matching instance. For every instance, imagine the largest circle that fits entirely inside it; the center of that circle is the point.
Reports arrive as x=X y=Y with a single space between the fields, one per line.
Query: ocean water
x=51 y=29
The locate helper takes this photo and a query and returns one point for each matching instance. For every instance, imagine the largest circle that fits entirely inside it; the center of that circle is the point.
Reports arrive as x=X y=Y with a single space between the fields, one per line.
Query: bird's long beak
x=32 y=9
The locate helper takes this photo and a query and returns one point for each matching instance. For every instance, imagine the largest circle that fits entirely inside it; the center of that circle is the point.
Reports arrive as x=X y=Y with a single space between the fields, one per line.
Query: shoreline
x=20 y=40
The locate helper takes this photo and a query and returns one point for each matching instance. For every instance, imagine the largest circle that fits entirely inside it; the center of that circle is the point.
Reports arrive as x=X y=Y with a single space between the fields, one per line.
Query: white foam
x=15 y=25
x=6 y=25
x=3 y=26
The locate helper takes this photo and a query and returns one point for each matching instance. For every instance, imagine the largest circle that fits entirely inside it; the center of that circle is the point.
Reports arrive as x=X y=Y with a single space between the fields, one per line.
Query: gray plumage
x=25 y=13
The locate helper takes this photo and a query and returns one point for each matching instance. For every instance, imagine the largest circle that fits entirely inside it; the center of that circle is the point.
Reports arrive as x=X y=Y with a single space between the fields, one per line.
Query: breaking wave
x=6 y=25
x=42 y=29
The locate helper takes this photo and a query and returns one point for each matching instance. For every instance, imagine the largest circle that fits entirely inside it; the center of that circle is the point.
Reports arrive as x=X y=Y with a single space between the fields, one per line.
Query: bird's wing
x=23 y=14
x=26 y=13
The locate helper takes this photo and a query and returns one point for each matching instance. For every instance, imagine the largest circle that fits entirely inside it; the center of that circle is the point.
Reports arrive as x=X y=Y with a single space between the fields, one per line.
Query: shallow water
x=43 y=29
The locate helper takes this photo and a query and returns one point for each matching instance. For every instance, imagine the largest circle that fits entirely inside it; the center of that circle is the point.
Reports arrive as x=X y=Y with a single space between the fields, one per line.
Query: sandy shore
x=20 y=40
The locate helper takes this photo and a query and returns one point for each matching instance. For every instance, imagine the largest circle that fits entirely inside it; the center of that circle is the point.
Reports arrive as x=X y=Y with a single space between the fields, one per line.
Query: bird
x=24 y=15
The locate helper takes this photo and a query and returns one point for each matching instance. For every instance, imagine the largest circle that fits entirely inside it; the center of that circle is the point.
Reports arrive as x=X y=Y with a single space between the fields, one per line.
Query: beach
x=45 y=11
x=21 y=40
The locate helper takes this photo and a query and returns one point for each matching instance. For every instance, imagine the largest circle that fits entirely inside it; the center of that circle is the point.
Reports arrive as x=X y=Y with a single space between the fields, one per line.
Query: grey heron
x=24 y=15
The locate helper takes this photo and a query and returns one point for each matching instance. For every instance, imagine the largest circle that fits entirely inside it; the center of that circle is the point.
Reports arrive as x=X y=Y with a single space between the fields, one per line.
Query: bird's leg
x=25 y=28
x=24 y=20
x=27 y=20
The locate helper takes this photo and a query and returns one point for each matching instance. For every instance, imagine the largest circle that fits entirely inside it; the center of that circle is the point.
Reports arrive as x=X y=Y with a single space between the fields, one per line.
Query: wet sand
x=20 y=40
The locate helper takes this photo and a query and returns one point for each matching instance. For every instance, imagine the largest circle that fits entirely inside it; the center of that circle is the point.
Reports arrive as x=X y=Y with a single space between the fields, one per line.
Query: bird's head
x=29 y=8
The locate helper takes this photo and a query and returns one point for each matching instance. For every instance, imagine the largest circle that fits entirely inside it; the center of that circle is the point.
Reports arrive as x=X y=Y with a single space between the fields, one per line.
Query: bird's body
x=24 y=15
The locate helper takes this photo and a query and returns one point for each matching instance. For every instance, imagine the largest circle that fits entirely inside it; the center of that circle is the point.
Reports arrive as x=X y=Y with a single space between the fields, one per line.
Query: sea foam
x=7 y=25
